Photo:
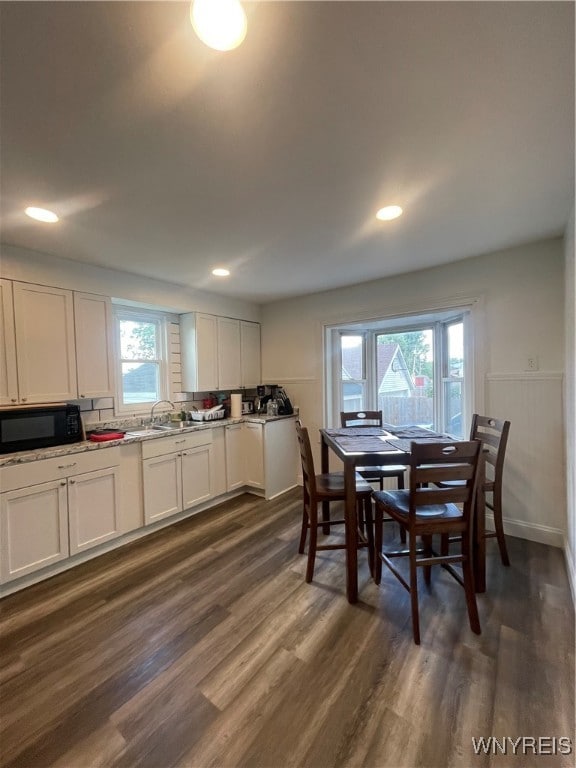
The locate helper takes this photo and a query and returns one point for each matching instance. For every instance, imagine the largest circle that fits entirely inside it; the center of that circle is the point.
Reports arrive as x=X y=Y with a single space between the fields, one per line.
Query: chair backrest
x=432 y=463
x=494 y=436
x=361 y=418
x=307 y=461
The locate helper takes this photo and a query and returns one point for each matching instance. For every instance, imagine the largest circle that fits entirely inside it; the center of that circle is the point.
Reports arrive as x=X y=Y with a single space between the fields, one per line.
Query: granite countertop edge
x=25 y=457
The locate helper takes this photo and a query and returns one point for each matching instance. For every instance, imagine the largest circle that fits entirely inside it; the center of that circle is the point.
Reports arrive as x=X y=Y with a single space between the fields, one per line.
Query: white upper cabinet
x=229 y=375
x=56 y=344
x=8 y=377
x=218 y=352
x=94 y=333
x=198 y=347
x=45 y=346
x=250 y=349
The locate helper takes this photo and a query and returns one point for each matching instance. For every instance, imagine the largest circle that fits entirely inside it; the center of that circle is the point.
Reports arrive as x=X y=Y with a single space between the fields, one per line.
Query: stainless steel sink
x=151 y=429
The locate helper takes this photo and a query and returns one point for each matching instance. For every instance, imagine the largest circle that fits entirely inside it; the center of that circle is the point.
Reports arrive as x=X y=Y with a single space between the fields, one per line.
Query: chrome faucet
x=159 y=402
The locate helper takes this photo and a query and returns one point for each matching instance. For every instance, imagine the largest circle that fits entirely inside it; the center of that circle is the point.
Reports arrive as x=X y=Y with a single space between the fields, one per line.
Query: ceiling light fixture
x=389 y=212
x=220 y=24
x=221 y=272
x=41 y=214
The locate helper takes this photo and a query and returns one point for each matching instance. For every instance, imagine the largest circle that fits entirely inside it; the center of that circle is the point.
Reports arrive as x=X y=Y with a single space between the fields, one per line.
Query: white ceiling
x=165 y=158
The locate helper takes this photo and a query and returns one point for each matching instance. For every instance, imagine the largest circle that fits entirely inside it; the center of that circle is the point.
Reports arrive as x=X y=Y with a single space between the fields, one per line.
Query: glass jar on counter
x=272 y=408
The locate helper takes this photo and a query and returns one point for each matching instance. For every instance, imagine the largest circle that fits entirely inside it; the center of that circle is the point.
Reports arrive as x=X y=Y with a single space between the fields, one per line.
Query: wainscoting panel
x=534 y=497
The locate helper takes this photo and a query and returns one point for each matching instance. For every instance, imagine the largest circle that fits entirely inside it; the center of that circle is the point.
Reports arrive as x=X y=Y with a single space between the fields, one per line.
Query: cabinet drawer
x=45 y=470
x=164 y=445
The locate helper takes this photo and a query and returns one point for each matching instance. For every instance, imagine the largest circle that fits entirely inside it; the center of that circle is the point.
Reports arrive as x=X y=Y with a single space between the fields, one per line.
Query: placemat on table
x=363 y=444
x=356 y=431
x=405 y=445
x=416 y=433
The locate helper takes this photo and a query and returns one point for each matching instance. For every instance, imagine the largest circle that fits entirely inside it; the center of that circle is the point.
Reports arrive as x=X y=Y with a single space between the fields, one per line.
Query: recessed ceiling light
x=221 y=272
x=389 y=212
x=41 y=214
x=221 y=24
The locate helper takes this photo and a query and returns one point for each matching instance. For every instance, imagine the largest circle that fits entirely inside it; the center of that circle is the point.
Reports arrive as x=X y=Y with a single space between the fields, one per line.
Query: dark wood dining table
x=375 y=446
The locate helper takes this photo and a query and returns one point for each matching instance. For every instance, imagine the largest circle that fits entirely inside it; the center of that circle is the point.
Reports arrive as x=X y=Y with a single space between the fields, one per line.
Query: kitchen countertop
x=24 y=457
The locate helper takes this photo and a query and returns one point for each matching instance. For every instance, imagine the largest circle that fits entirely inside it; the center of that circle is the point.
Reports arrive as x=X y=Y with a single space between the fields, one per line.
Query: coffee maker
x=260 y=393
x=268 y=392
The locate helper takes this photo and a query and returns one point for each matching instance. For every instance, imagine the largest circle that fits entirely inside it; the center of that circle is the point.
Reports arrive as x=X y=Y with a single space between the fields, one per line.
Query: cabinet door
x=162 y=487
x=94 y=334
x=218 y=462
x=234 y=457
x=93 y=508
x=250 y=353
x=8 y=377
x=254 y=454
x=229 y=374
x=281 y=456
x=206 y=353
x=196 y=473
x=44 y=320
x=33 y=528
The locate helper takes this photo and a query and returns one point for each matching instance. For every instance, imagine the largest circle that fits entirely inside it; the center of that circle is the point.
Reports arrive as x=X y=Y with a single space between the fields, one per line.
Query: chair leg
x=400 y=481
x=468 y=578
x=361 y=517
x=369 y=532
x=414 y=589
x=378 y=526
x=444 y=544
x=498 y=525
x=304 y=531
x=427 y=542
x=312 y=543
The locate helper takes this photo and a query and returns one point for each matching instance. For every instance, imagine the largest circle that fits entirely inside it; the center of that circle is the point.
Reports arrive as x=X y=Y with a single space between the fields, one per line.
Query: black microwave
x=41 y=426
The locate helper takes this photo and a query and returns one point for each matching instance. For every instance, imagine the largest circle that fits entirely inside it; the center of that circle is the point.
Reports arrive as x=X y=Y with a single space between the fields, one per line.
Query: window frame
x=437 y=318
x=161 y=320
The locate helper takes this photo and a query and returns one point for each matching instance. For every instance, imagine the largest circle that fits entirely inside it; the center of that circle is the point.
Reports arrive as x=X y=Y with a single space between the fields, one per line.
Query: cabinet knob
x=13 y=400
x=63 y=482
x=24 y=399
x=72 y=482
x=82 y=395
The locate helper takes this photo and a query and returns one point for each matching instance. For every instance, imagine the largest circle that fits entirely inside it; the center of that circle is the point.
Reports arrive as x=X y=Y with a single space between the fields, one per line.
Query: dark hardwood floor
x=201 y=646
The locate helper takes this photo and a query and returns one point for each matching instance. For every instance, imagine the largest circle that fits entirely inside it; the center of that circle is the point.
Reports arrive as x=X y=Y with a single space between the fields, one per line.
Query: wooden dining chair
x=493 y=433
x=329 y=487
x=427 y=509
x=373 y=474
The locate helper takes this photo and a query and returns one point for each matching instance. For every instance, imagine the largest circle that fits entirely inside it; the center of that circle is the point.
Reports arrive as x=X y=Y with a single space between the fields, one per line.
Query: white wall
x=570 y=402
x=521 y=315
x=34 y=267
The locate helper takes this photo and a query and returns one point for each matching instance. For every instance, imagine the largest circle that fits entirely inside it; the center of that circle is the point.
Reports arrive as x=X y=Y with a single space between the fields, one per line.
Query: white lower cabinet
x=218 y=463
x=72 y=511
x=93 y=508
x=34 y=528
x=176 y=473
x=262 y=456
x=235 y=464
x=254 y=453
x=271 y=456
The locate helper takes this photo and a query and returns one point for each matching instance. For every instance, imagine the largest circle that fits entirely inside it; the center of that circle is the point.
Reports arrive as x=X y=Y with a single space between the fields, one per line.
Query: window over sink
x=142 y=358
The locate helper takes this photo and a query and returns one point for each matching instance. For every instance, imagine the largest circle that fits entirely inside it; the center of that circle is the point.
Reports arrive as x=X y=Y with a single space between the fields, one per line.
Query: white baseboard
x=543 y=534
